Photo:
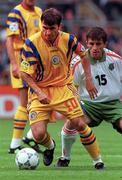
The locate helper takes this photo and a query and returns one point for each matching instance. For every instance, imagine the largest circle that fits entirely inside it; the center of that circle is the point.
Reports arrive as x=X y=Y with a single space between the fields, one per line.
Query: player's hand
x=15 y=71
x=91 y=88
x=43 y=98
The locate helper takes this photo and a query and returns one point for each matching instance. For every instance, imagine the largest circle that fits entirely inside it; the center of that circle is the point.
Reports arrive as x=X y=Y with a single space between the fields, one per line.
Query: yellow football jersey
x=23 y=23
x=50 y=65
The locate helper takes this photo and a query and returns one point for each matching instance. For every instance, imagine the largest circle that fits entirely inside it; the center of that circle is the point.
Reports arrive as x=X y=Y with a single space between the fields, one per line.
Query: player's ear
x=106 y=44
x=61 y=26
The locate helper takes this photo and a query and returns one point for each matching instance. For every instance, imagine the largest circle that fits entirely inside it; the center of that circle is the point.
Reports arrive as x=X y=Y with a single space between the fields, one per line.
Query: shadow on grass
x=70 y=168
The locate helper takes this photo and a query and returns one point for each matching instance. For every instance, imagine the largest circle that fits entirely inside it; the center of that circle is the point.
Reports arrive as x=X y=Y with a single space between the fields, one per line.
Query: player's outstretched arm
x=89 y=83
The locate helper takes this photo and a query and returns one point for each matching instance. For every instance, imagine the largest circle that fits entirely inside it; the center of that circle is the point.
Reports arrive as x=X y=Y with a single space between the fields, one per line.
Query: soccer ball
x=27 y=158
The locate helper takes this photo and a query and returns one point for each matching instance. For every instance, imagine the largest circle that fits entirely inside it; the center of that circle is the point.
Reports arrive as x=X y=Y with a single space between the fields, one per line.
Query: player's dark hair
x=97 y=33
x=51 y=17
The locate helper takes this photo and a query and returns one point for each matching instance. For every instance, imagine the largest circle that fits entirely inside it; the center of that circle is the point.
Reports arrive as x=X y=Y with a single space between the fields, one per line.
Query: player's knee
x=38 y=134
x=68 y=126
x=78 y=123
x=118 y=126
x=92 y=123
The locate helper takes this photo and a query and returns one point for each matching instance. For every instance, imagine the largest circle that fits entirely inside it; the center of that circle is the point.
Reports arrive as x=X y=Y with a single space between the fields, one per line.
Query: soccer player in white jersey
x=106 y=69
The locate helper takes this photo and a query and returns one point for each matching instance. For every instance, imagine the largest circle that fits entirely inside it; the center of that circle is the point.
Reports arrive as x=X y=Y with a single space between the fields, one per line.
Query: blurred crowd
x=78 y=17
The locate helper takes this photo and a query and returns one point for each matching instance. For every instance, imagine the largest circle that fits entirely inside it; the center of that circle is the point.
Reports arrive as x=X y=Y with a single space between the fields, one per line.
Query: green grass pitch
x=81 y=164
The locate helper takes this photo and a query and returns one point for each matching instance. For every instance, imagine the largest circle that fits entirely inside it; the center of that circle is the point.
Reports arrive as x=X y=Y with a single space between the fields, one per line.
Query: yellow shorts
x=62 y=100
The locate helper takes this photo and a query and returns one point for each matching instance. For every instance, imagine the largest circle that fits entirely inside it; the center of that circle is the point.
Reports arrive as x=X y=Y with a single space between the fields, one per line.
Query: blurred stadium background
x=78 y=16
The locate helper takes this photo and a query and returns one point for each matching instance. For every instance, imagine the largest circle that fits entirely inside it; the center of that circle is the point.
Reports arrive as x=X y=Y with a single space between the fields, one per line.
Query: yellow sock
x=20 y=121
x=47 y=141
x=88 y=139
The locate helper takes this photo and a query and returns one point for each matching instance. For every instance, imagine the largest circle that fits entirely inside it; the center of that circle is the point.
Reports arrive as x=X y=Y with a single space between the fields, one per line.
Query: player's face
x=96 y=48
x=30 y=3
x=50 y=32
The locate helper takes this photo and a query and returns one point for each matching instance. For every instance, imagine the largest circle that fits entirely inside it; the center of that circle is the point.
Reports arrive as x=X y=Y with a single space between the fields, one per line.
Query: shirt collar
x=55 y=43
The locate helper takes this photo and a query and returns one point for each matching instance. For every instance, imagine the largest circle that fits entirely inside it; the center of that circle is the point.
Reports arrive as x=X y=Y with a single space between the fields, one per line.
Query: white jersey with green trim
x=106 y=74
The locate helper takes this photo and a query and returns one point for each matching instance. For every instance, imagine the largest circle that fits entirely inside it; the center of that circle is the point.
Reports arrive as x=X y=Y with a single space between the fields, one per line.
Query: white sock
x=68 y=137
x=29 y=134
x=15 y=143
x=51 y=145
x=97 y=160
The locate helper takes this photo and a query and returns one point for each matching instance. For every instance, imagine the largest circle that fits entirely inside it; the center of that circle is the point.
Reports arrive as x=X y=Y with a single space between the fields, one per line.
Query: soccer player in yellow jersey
x=45 y=67
x=23 y=21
